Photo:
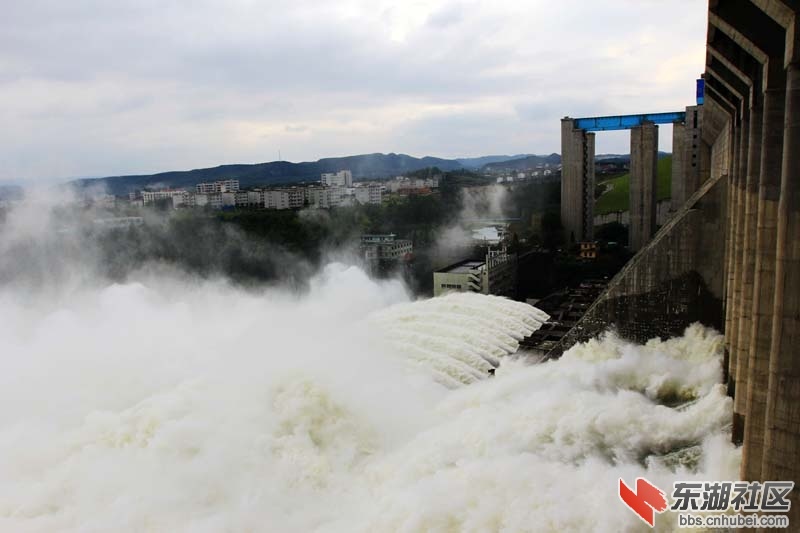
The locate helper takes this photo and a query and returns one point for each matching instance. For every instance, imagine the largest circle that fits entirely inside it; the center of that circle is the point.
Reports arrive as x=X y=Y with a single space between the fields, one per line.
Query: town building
x=386 y=247
x=324 y=197
x=276 y=199
x=495 y=274
x=222 y=200
x=241 y=199
x=369 y=194
x=183 y=200
x=317 y=197
x=149 y=197
x=218 y=187
x=297 y=197
x=104 y=201
x=490 y=234
x=588 y=250
x=335 y=196
x=256 y=198
x=410 y=186
x=343 y=178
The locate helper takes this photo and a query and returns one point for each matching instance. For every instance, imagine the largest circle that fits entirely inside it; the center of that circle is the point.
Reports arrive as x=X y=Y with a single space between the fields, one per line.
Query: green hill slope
x=616 y=196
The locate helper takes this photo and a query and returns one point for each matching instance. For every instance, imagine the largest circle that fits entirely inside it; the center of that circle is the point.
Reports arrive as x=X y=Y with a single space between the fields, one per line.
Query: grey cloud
x=140 y=85
x=295 y=129
x=449 y=15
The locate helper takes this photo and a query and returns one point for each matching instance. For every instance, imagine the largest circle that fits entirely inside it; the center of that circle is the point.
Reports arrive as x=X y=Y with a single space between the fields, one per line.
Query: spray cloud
x=170 y=402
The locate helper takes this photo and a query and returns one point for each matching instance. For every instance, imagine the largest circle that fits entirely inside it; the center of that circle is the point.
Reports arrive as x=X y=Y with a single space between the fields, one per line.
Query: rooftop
x=385 y=237
x=463 y=267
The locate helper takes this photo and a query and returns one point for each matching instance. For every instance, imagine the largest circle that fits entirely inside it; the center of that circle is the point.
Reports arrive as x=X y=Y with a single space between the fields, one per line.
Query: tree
x=552 y=230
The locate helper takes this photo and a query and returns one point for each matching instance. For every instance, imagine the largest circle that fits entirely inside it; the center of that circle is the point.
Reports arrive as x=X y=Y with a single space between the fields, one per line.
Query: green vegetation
x=617 y=190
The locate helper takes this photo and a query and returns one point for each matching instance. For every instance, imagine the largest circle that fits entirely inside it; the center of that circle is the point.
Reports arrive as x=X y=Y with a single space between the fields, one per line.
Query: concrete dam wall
x=730 y=256
x=672 y=282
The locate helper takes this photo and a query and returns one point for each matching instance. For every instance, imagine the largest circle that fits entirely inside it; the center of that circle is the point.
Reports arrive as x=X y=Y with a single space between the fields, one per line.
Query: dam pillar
x=739 y=93
x=782 y=434
x=739 y=74
x=731 y=253
x=643 y=184
x=762 y=306
x=697 y=162
x=577 y=182
x=679 y=185
x=736 y=264
x=749 y=164
x=687 y=157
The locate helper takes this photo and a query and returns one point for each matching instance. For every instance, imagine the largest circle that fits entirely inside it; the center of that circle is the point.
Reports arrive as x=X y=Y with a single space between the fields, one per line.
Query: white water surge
x=458 y=337
x=177 y=406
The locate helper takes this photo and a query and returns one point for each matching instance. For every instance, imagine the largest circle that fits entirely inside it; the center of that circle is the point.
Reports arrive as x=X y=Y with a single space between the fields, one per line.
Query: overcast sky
x=96 y=88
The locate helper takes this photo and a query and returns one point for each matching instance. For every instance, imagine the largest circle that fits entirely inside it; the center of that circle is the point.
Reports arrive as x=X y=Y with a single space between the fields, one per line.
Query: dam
x=729 y=254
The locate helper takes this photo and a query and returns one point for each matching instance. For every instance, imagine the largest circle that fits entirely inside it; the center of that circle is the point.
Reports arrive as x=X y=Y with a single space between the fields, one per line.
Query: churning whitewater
x=182 y=405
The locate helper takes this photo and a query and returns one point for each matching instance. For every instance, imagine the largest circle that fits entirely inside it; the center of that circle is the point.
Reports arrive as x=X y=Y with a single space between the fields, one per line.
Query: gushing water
x=169 y=405
x=460 y=336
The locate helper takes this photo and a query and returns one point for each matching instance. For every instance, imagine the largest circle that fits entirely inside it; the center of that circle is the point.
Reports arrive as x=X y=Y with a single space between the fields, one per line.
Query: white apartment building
x=218 y=187
x=199 y=200
x=297 y=197
x=241 y=199
x=325 y=197
x=317 y=197
x=221 y=200
x=104 y=201
x=149 y=197
x=343 y=178
x=256 y=198
x=335 y=196
x=385 y=248
x=183 y=200
x=495 y=274
x=401 y=182
x=370 y=194
x=276 y=199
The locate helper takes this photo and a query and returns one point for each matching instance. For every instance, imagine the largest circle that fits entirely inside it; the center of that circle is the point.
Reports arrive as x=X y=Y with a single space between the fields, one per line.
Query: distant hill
x=11 y=192
x=480 y=162
x=531 y=161
x=369 y=166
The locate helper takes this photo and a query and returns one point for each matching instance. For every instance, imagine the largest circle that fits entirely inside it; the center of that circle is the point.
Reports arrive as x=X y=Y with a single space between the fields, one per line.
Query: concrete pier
x=732 y=248
x=730 y=275
x=578 y=172
x=577 y=182
x=756 y=42
x=680 y=150
x=764 y=279
x=748 y=171
x=782 y=427
x=643 y=184
x=734 y=290
x=689 y=160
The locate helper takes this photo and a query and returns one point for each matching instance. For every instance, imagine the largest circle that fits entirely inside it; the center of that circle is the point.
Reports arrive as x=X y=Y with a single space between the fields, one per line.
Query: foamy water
x=169 y=405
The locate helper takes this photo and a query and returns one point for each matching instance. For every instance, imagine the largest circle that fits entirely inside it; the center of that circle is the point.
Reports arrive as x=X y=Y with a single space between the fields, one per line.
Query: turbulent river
x=173 y=405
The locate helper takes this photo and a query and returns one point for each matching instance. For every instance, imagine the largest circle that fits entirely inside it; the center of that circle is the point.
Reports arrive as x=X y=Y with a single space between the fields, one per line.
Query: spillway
x=459 y=336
